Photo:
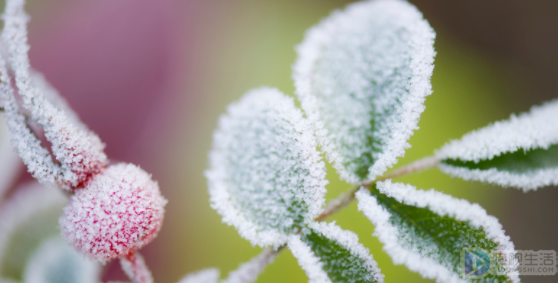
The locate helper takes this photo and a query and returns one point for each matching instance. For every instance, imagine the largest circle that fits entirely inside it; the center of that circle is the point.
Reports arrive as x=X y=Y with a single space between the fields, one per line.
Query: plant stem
x=134 y=266
x=342 y=201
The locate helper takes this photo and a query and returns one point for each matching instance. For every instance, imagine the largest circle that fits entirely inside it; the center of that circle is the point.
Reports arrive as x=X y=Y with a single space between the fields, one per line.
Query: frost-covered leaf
x=520 y=152
x=248 y=272
x=266 y=177
x=26 y=219
x=210 y=275
x=362 y=76
x=329 y=254
x=56 y=262
x=78 y=151
x=428 y=230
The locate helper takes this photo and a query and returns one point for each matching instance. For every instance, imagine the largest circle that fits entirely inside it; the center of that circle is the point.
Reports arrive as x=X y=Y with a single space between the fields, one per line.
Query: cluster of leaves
x=362 y=76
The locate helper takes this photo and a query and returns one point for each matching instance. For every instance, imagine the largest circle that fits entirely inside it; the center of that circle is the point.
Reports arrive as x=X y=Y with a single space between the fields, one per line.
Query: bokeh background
x=152 y=77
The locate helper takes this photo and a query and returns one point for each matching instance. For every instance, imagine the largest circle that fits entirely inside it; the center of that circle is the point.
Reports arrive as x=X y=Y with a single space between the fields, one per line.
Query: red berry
x=116 y=213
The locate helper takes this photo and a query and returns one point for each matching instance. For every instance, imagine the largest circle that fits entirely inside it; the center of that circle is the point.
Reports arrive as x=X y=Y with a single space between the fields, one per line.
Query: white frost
x=248 y=272
x=210 y=275
x=439 y=203
x=308 y=260
x=79 y=151
x=371 y=62
x=349 y=241
x=136 y=269
x=527 y=181
x=55 y=261
x=266 y=175
x=533 y=130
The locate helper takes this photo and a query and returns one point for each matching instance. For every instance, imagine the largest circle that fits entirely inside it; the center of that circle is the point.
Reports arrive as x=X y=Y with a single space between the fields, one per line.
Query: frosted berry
x=119 y=211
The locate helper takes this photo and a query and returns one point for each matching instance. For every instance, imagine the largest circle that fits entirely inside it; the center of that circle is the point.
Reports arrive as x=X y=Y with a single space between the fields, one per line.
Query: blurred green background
x=492 y=60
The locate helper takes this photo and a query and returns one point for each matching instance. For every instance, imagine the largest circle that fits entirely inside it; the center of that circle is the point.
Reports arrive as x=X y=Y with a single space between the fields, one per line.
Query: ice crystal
x=362 y=76
x=519 y=152
x=134 y=266
x=119 y=212
x=266 y=177
x=79 y=151
x=426 y=230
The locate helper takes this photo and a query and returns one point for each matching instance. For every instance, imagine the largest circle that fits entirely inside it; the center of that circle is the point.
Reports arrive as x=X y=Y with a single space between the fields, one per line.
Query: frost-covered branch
x=134 y=266
x=341 y=202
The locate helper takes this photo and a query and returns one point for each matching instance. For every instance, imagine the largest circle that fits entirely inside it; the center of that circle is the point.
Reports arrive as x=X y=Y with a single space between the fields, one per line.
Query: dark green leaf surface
x=341 y=257
x=518 y=162
x=419 y=228
x=520 y=152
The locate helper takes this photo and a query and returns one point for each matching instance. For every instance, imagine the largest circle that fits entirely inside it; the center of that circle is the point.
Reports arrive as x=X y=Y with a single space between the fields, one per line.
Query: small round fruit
x=119 y=211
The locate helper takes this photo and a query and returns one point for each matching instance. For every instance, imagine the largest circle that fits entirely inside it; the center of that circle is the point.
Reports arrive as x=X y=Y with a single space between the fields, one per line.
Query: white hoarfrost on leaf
x=362 y=76
x=248 y=272
x=266 y=177
x=210 y=275
x=328 y=253
x=520 y=152
x=427 y=230
x=78 y=150
x=56 y=262
x=119 y=212
x=308 y=260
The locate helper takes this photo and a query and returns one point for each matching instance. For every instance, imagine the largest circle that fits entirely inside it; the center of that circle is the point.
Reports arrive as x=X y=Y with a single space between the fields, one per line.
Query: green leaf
x=266 y=177
x=431 y=232
x=56 y=262
x=362 y=76
x=520 y=152
x=329 y=254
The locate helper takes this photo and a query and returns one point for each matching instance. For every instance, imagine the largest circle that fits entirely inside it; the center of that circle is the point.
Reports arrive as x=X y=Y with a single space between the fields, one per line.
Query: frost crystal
x=362 y=76
x=56 y=262
x=134 y=266
x=266 y=177
x=446 y=225
x=205 y=276
x=79 y=151
x=119 y=212
x=519 y=152
x=330 y=254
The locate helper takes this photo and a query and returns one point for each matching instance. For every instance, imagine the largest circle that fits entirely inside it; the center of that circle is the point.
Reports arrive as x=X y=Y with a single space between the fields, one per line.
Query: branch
x=134 y=266
x=342 y=201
